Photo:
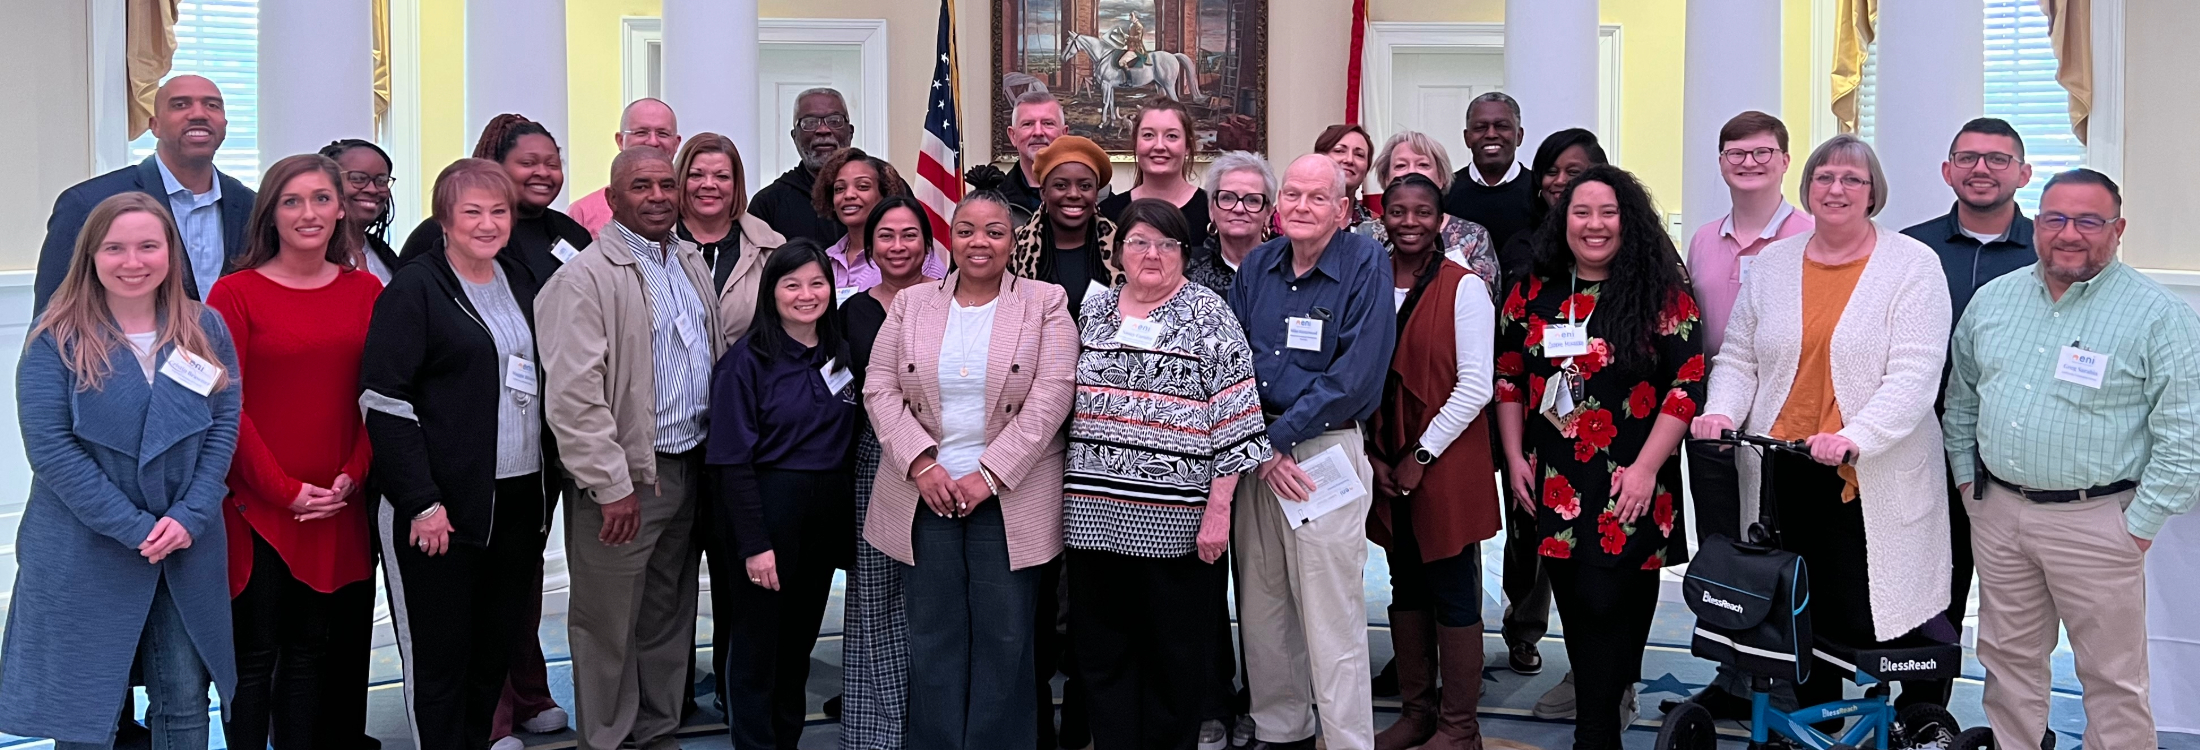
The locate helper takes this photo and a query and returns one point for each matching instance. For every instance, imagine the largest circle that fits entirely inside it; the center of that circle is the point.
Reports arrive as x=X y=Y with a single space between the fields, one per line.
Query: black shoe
x=1385 y=684
x=1722 y=704
x=130 y=735
x=832 y=708
x=1076 y=731
x=1305 y=744
x=1526 y=659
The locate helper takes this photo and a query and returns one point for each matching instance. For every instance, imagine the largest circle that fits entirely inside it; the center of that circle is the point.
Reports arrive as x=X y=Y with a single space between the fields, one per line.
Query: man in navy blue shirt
x=1317 y=309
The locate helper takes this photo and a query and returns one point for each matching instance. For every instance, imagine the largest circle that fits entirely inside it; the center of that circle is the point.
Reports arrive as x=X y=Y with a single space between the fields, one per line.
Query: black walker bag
x=1752 y=605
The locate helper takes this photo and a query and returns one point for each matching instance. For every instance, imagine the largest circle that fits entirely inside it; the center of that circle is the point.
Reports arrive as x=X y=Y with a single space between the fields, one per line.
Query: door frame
x=873 y=125
x=1385 y=39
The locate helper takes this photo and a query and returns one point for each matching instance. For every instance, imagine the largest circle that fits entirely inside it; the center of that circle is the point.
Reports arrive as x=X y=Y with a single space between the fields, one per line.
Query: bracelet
x=429 y=513
x=920 y=472
x=988 y=477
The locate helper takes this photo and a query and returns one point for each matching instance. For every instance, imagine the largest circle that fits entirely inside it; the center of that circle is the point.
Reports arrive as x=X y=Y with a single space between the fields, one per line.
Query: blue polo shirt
x=1969 y=263
x=1308 y=392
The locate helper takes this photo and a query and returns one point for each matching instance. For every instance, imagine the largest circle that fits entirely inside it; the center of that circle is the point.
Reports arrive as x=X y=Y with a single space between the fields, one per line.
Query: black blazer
x=77 y=202
x=429 y=353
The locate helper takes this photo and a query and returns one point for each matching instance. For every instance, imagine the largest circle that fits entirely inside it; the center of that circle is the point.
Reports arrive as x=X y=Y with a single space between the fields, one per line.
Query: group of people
x=1054 y=449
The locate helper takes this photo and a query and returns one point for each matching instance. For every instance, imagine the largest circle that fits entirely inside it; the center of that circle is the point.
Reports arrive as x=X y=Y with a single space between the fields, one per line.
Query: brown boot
x=1460 y=657
x=1413 y=638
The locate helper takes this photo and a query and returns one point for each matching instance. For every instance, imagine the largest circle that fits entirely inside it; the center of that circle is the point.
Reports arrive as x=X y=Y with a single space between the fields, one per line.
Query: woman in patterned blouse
x=1464 y=242
x=1599 y=370
x=1166 y=419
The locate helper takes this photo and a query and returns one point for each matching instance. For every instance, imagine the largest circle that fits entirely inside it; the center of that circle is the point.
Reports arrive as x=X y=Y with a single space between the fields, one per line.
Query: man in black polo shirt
x=1493 y=189
x=1983 y=237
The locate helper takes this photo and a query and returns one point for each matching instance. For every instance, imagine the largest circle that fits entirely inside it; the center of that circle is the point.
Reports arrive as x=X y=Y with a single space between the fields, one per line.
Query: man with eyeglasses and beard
x=821 y=127
x=2073 y=427
x=1983 y=237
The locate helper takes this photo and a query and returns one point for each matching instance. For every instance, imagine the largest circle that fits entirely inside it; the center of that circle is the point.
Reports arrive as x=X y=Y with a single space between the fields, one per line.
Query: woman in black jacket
x=542 y=238
x=454 y=409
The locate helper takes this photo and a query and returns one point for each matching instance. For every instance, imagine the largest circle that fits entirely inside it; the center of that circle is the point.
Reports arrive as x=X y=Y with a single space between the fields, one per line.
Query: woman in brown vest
x=1436 y=500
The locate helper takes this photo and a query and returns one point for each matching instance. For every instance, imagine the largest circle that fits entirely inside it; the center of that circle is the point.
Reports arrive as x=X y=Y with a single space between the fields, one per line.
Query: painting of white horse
x=1165 y=71
x=1106 y=60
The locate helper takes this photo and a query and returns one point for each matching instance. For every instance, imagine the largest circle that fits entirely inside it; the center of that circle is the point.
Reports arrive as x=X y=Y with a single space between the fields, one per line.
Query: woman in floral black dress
x=1606 y=494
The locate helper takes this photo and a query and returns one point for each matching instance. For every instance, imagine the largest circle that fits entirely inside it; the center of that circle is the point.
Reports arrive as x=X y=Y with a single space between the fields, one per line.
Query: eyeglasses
x=1736 y=156
x=1969 y=159
x=811 y=122
x=2087 y=224
x=363 y=179
x=1852 y=182
x=1251 y=202
x=1138 y=246
x=657 y=134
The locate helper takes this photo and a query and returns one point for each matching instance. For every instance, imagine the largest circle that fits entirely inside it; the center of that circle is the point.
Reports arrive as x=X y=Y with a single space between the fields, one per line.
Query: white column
x=515 y=62
x=1551 y=66
x=316 y=76
x=1733 y=66
x=710 y=61
x=1932 y=79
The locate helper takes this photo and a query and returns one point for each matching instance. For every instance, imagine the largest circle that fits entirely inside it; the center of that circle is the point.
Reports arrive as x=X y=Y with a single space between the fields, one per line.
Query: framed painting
x=1105 y=59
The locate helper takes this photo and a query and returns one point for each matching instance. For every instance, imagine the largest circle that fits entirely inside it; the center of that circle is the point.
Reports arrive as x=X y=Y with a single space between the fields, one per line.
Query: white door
x=1431 y=87
x=784 y=71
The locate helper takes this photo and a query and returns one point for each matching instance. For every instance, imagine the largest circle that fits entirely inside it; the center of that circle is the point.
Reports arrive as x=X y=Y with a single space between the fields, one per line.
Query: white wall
x=47 y=142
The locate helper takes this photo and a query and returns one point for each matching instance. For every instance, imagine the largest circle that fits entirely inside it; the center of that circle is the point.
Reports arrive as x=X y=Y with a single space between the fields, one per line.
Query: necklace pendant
x=966 y=372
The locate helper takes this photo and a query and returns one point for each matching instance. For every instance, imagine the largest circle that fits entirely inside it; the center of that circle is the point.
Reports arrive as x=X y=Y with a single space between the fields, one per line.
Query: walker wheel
x=1688 y=727
x=1924 y=726
x=1979 y=738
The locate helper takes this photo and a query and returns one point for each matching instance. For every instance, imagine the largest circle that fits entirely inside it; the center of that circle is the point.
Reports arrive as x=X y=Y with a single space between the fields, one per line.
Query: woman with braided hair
x=542 y=236
x=366 y=185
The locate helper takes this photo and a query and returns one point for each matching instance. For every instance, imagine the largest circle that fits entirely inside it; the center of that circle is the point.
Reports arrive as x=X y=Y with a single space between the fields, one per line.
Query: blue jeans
x=175 y=681
x=971 y=655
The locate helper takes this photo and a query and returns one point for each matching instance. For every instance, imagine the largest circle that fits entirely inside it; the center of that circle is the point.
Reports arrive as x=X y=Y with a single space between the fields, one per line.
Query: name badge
x=1138 y=333
x=842 y=294
x=564 y=251
x=1565 y=340
x=190 y=371
x=1305 y=334
x=688 y=330
x=836 y=377
x=519 y=374
x=1095 y=289
x=2075 y=365
x=1743 y=268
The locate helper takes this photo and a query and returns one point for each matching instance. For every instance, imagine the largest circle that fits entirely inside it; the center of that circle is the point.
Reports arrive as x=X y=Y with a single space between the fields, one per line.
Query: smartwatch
x=1422 y=455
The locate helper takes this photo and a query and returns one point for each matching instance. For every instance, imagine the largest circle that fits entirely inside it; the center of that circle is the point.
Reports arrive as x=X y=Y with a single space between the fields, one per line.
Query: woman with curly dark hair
x=1600 y=367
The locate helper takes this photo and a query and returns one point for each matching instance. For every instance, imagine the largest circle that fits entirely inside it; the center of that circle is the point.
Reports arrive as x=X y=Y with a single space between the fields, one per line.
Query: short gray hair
x=1241 y=161
x=1031 y=98
x=1501 y=98
x=1421 y=144
x=1849 y=149
x=822 y=91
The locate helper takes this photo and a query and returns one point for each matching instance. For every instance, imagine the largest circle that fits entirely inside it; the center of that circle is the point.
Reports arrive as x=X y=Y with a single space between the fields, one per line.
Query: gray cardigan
x=106 y=465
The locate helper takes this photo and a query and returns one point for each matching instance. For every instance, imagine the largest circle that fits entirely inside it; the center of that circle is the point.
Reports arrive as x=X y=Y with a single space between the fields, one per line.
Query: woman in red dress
x=299 y=566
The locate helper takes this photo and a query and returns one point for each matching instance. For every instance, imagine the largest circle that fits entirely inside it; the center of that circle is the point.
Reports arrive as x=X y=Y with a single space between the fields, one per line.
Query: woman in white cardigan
x=1838 y=340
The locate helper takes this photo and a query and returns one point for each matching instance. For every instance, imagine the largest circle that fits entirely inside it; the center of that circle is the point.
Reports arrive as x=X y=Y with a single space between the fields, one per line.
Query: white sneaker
x=1212 y=736
x=1559 y=702
x=509 y=743
x=1242 y=734
x=550 y=721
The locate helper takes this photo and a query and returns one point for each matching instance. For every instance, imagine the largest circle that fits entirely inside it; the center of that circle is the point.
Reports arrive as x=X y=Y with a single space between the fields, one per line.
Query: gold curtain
x=1855 y=24
x=2070 y=31
x=150 y=27
x=381 y=62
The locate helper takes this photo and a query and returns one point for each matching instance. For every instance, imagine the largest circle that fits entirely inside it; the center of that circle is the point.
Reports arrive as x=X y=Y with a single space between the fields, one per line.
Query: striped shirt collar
x=643 y=247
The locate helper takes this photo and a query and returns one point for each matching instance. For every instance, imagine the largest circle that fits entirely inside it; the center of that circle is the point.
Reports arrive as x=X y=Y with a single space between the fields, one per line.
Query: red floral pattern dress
x=1575 y=469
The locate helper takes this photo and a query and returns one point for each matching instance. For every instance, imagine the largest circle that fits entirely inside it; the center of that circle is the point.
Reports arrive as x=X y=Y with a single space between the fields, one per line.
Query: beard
x=2084 y=271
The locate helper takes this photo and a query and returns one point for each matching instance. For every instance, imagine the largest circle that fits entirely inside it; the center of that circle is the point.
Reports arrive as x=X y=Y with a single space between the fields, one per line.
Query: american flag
x=939 y=158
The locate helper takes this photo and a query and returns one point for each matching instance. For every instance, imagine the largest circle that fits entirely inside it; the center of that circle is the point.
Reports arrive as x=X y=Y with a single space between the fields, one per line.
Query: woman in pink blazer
x=969 y=388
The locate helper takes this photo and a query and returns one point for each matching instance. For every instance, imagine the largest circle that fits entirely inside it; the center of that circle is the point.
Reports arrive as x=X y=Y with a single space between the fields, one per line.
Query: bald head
x=649 y=122
x=643 y=193
x=189 y=122
x=1311 y=199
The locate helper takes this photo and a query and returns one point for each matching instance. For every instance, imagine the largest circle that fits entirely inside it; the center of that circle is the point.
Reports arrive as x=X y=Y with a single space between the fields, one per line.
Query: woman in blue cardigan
x=129 y=419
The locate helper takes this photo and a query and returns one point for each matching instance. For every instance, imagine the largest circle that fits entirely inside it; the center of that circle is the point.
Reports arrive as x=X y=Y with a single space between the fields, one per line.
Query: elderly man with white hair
x=1316 y=307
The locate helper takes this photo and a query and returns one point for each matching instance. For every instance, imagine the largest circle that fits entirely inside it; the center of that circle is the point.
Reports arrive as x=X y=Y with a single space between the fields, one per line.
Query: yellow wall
x=445 y=135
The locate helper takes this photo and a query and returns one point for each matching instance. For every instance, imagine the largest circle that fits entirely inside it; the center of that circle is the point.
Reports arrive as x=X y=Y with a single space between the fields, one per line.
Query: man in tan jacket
x=627 y=333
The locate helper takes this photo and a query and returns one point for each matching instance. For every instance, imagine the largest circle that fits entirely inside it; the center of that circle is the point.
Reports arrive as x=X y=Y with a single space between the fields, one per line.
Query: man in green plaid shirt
x=2073 y=428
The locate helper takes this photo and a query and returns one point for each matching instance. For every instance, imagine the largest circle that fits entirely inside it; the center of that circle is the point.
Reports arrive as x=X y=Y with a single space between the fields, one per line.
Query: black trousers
x=456 y=613
x=1451 y=587
x=715 y=545
x=1829 y=535
x=301 y=659
x=1052 y=654
x=1526 y=579
x=769 y=634
x=1608 y=612
x=1143 y=630
x=1222 y=702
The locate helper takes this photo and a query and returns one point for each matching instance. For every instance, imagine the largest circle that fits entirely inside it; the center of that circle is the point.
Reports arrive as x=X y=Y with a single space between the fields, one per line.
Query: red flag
x=1353 y=63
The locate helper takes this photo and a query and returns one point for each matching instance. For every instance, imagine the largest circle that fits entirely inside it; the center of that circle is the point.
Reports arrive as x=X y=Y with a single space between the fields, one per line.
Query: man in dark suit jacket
x=211 y=208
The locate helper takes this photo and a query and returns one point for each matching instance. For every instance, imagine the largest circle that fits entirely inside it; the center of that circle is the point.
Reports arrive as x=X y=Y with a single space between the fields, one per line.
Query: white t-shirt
x=142 y=345
x=1981 y=237
x=964 y=350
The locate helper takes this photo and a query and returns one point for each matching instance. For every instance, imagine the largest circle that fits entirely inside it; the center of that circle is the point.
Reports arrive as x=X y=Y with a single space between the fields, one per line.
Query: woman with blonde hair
x=1464 y=242
x=121 y=550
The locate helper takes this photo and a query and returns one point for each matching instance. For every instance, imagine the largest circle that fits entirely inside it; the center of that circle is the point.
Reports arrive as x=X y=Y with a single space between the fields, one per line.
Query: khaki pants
x=632 y=615
x=2073 y=563
x=1303 y=610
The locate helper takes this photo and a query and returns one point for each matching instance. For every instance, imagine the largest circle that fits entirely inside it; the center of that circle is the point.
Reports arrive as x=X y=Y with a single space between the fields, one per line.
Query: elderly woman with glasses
x=1838 y=341
x=1241 y=193
x=1167 y=417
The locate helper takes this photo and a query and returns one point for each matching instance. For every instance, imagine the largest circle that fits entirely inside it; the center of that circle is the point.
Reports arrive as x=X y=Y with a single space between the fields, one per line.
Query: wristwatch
x=1422 y=455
